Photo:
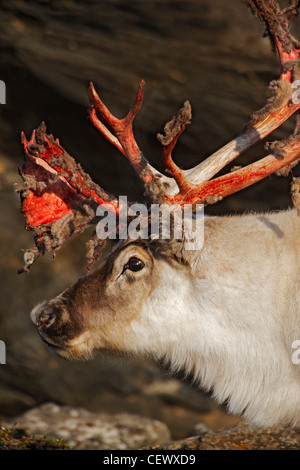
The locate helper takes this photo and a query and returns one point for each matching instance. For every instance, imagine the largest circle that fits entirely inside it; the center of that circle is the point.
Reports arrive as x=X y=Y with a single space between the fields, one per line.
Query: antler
x=120 y=134
x=59 y=198
x=195 y=185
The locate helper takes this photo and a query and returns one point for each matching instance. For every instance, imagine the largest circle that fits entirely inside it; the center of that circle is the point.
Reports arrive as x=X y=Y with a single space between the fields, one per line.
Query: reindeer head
x=111 y=299
x=81 y=319
x=132 y=291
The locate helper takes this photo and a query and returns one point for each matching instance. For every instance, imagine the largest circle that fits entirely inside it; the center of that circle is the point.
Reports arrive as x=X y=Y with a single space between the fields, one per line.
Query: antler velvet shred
x=58 y=198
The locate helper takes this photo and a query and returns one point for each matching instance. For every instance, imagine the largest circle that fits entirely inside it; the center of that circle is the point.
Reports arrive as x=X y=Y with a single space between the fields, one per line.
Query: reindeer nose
x=42 y=316
x=46 y=319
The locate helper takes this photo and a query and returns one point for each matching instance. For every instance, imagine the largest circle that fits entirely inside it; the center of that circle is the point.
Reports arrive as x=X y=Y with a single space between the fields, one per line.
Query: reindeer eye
x=134 y=264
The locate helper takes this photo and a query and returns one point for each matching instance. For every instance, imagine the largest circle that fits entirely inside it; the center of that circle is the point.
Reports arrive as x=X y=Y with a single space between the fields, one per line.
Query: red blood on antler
x=53 y=181
x=58 y=198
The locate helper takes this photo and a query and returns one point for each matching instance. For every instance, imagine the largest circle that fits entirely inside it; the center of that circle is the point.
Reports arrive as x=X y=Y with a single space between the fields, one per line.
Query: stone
x=85 y=430
x=240 y=437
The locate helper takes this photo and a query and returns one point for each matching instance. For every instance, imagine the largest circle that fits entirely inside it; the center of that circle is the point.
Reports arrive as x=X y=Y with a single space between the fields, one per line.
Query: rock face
x=83 y=430
x=211 y=53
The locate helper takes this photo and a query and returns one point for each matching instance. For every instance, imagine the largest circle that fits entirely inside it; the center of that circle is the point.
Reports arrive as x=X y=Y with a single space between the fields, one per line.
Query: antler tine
x=212 y=191
x=173 y=131
x=120 y=134
x=230 y=183
x=103 y=130
x=252 y=134
x=183 y=184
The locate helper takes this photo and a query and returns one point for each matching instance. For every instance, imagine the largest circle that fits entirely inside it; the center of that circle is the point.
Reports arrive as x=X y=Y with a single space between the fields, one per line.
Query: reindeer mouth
x=77 y=348
x=64 y=352
x=49 y=344
x=53 y=347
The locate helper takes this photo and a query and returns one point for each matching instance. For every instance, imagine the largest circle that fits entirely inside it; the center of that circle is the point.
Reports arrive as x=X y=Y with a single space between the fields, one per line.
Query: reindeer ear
x=186 y=234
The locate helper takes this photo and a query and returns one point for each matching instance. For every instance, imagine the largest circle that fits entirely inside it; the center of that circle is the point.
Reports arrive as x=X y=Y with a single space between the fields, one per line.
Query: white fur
x=231 y=320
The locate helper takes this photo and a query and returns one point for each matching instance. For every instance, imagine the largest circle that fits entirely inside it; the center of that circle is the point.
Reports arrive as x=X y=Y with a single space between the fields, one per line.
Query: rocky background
x=210 y=52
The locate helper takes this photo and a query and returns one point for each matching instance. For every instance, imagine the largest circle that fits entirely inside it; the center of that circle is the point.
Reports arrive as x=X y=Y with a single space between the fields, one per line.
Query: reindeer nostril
x=46 y=319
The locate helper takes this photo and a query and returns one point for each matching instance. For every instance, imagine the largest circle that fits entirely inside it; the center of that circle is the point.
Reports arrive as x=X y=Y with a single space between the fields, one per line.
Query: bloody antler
x=120 y=133
x=277 y=110
x=59 y=198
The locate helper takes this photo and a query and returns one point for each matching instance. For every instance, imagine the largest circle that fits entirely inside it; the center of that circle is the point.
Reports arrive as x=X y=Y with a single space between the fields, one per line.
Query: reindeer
x=227 y=313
